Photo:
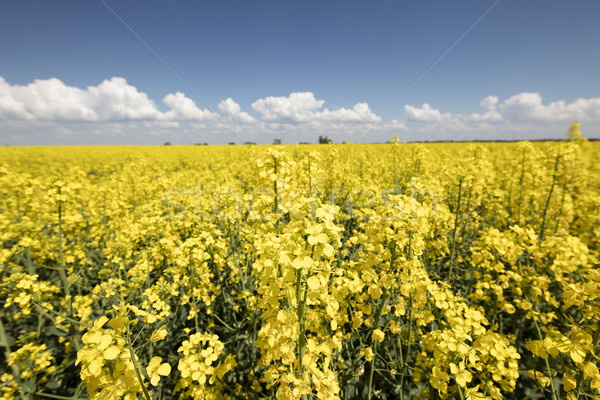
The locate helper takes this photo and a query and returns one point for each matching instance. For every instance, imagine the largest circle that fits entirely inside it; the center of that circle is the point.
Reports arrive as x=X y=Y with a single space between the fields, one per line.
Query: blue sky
x=71 y=72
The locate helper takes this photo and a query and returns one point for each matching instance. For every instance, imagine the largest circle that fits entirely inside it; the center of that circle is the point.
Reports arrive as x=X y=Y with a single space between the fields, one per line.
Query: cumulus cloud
x=10 y=107
x=425 y=113
x=522 y=116
x=183 y=107
x=231 y=109
x=297 y=107
x=112 y=100
x=528 y=106
x=490 y=104
x=52 y=100
x=359 y=113
x=428 y=114
x=115 y=99
x=116 y=109
x=523 y=108
x=304 y=107
x=391 y=126
x=47 y=100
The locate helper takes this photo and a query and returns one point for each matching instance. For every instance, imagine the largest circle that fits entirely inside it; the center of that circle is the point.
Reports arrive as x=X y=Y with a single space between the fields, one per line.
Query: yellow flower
x=539 y=377
x=461 y=375
x=158 y=335
x=378 y=335
x=569 y=381
x=155 y=369
x=367 y=353
x=439 y=379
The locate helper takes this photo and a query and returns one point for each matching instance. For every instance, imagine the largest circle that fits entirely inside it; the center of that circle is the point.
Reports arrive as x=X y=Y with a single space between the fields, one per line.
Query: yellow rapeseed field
x=389 y=271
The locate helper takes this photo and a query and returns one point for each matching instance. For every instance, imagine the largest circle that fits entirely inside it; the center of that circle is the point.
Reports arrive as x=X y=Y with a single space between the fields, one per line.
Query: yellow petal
x=111 y=353
x=164 y=369
x=328 y=250
x=569 y=382
x=158 y=335
x=313 y=282
x=92 y=338
x=153 y=364
x=95 y=367
x=589 y=370
x=104 y=341
x=333 y=324
x=577 y=355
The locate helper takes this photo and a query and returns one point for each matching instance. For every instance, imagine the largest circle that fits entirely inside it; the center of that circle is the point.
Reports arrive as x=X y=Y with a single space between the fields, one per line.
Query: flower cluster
x=202 y=366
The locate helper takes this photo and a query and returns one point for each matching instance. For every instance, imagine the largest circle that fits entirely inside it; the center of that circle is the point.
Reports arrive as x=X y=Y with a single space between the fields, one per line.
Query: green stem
x=548 y=369
x=45 y=311
x=276 y=199
x=521 y=182
x=560 y=212
x=378 y=320
x=376 y=326
x=62 y=271
x=460 y=392
x=193 y=298
x=53 y=396
x=456 y=220
x=135 y=365
x=225 y=324
x=25 y=394
x=588 y=358
x=309 y=179
x=543 y=228
x=300 y=310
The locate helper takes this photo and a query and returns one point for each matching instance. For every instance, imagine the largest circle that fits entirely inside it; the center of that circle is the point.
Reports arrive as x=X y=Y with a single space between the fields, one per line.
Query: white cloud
x=297 y=107
x=231 y=109
x=448 y=120
x=47 y=100
x=528 y=106
x=522 y=116
x=115 y=111
x=115 y=99
x=304 y=107
x=10 y=107
x=425 y=114
x=516 y=114
x=490 y=103
x=52 y=100
x=393 y=126
x=359 y=113
x=183 y=107
x=112 y=100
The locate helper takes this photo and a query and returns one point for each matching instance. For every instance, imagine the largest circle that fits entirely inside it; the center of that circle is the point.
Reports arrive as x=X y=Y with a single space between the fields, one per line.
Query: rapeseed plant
x=298 y=272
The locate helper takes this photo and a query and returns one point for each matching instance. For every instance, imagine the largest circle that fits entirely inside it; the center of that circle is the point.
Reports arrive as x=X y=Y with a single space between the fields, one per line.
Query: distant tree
x=247 y=143
x=324 y=140
x=167 y=144
x=276 y=141
x=232 y=143
x=201 y=144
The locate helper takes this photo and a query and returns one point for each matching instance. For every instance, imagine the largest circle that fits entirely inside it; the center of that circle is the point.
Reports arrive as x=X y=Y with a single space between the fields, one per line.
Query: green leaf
x=10 y=341
x=29 y=386
x=57 y=332
x=52 y=384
